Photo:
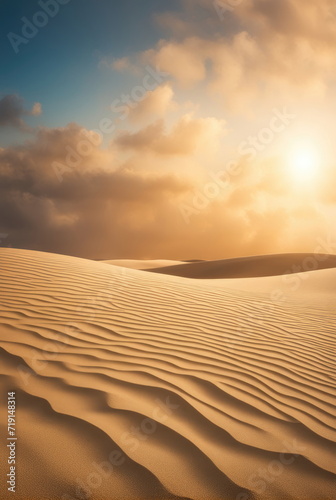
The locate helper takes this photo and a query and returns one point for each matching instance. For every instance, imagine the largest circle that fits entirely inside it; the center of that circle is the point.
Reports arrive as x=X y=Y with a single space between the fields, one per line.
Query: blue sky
x=59 y=67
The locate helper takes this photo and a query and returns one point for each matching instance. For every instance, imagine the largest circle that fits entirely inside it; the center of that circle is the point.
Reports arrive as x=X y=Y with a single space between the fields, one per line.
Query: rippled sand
x=139 y=385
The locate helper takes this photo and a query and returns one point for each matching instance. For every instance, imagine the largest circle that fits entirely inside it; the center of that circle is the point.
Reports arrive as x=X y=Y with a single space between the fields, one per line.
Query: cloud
x=186 y=136
x=97 y=205
x=127 y=200
x=120 y=64
x=36 y=109
x=107 y=208
x=156 y=104
x=185 y=61
x=12 y=111
x=264 y=52
x=173 y=23
x=314 y=20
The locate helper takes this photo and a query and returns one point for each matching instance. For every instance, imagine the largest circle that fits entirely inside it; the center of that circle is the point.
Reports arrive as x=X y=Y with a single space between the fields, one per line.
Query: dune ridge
x=197 y=389
x=250 y=267
x=143 y=264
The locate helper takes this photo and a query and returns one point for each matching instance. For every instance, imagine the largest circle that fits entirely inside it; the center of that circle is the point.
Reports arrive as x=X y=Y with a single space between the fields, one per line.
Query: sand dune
x=143 y=264
x=250 y=267
x=137 y=385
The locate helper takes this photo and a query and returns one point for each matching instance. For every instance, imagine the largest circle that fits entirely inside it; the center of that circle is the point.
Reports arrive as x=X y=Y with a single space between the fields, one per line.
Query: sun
x=304 y=161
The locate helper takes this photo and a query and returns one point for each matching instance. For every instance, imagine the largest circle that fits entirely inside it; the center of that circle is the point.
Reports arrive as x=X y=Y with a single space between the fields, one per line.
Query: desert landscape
x=167 y=250
x=132 y=384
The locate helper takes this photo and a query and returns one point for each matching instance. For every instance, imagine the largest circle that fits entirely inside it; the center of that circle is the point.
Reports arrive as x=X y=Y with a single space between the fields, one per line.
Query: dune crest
x=251 y=267
x=143 y=264
x=134 y=385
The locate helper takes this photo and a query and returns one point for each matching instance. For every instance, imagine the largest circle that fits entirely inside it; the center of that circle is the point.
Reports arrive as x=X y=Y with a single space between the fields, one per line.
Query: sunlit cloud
x=219 y=156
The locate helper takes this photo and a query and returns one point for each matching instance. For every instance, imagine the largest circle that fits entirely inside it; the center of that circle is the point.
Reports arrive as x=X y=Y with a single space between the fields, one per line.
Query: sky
x=180 y=129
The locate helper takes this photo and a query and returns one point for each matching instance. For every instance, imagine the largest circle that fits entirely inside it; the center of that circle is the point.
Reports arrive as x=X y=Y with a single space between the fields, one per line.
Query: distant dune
x=142 y=264
x=137 y=385
x=250 y=267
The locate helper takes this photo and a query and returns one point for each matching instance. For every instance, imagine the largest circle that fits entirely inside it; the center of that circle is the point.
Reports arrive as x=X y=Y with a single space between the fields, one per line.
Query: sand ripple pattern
x=203 y=391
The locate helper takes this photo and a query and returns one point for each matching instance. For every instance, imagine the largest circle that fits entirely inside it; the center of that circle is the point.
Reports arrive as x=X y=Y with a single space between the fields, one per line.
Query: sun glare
x=304 y=162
